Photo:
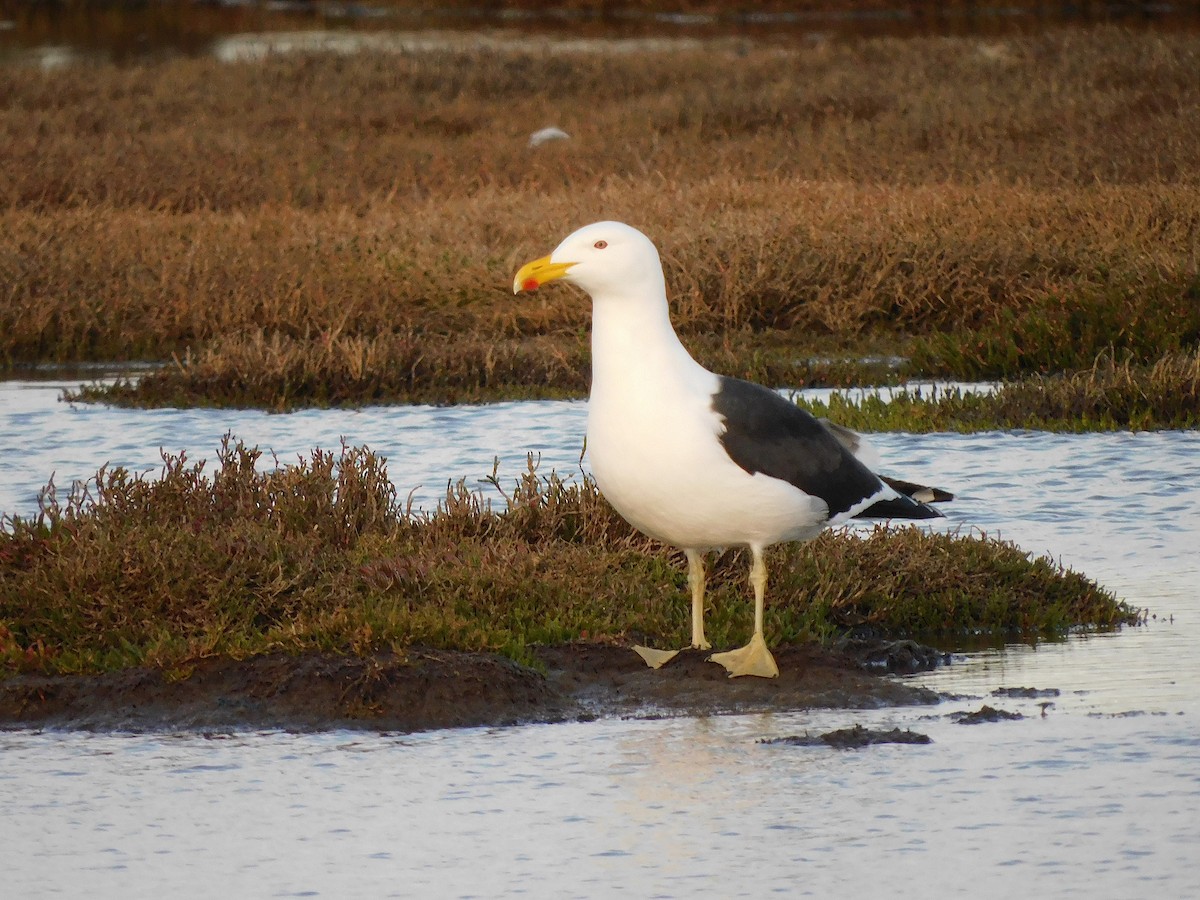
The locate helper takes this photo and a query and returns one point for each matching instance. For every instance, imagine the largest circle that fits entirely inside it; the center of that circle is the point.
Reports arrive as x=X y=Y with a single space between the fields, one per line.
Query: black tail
x=911 y=504
x=918 y=492
x=902 y=507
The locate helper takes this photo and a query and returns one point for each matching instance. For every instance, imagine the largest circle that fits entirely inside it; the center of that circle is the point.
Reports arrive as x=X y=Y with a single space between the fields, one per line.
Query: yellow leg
x=696 y=583
x=656 y=659
x=754 y=658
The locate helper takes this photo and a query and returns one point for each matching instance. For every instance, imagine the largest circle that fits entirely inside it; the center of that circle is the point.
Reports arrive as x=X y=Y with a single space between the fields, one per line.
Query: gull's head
x=603 y=258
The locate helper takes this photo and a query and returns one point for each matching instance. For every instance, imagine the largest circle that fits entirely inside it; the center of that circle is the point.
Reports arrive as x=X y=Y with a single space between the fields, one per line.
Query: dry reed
x=818 y=196
x=837 y=260
x=1062 y=108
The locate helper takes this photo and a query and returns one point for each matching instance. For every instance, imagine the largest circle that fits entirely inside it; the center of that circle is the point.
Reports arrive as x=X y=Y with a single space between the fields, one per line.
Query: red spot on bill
x=529 y=284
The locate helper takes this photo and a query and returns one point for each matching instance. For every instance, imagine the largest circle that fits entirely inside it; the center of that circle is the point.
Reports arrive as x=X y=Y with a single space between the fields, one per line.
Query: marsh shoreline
x=425 y=689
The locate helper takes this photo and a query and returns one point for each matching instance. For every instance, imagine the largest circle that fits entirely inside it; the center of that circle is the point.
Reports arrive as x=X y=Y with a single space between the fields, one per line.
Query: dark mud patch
x=902 y=657
x=1026 y=693
x=985 y=713
x=852 y=738
x=426 y=689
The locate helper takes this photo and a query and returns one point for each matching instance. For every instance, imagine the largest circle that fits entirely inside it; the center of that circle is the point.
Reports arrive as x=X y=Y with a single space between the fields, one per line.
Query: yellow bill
x=533 y=275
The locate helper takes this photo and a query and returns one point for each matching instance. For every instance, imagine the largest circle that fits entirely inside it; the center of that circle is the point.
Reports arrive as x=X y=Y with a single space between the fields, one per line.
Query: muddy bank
x=426 y=689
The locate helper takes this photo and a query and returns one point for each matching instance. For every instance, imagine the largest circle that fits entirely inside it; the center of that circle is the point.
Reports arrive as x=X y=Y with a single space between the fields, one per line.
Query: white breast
x=654 y=447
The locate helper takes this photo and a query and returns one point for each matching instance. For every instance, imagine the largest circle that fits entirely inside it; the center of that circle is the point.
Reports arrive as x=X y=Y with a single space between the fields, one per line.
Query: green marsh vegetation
x=1109 y=396
x=322 y=556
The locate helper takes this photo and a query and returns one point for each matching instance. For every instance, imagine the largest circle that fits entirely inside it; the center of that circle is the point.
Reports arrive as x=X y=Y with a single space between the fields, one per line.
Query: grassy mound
x=1109 y=396
x=282 y=373
x=322 y=556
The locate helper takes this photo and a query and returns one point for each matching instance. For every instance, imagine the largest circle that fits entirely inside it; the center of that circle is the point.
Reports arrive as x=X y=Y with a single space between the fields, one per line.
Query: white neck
x=634 y=347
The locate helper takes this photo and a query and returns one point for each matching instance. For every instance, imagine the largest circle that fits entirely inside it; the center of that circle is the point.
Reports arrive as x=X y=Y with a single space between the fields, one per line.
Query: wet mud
x=428 y=689
x=984 y=714
x=853 y=738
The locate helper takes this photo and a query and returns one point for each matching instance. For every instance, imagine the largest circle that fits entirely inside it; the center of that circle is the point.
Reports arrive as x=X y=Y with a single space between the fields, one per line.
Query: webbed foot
x=753 y=659
x=655 y=659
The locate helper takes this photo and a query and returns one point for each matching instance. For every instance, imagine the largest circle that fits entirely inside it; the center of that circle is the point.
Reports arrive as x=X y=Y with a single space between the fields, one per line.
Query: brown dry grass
x=820 y=194
x=1068 y=107
x=833 y=258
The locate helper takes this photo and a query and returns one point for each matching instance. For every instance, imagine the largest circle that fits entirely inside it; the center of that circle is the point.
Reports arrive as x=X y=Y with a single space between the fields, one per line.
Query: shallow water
x=1097 y=794
x=1062 y=806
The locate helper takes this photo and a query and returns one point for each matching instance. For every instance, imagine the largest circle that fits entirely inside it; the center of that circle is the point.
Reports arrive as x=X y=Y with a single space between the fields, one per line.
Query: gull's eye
x=600 y=245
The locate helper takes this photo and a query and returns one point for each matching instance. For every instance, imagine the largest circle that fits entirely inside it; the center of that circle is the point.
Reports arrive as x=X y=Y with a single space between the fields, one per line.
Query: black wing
x=768 y=434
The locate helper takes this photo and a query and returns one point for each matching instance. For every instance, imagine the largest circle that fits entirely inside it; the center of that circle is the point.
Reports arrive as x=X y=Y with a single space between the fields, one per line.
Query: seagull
x=699 y=460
